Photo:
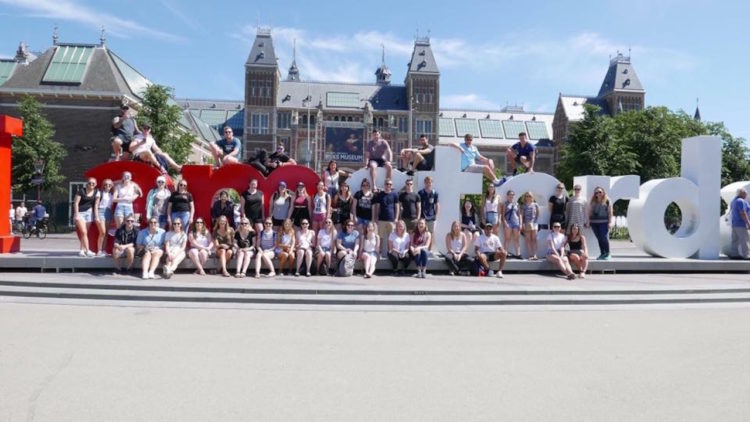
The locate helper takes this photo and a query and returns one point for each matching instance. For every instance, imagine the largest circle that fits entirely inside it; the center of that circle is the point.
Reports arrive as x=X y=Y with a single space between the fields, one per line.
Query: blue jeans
x=601 y=231
x=184 y=216
x=421 y=258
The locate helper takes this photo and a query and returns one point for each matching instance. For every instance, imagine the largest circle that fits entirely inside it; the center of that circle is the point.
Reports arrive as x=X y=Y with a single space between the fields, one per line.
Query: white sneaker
x=424 y=274
x=490 y=273
x=151 y=275
x=499 y=274
x=90 y=254
x=145 y=276
x=101 y=253
x=81 y=253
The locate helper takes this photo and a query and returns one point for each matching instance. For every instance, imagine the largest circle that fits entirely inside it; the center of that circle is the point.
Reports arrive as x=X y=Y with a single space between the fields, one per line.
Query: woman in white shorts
x=104 y=214
x=85 y=205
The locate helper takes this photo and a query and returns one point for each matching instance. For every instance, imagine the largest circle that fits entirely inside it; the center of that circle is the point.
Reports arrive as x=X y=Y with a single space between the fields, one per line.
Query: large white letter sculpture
x=697 y=195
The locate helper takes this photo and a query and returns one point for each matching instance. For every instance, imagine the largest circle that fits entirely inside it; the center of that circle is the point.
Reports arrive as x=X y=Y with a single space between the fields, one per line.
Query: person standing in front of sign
x=378 y=154
x=411 y=206
x=430 y=207
x=386 y=210
x=600 y=220
x=738 y=212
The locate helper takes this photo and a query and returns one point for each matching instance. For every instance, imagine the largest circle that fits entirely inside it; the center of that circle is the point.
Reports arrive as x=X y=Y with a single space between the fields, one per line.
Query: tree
x=36 y=144
x=734 y=154
x=160 y=110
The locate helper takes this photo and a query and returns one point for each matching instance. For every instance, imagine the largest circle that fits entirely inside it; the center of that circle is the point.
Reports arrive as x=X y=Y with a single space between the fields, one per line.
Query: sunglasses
x=92 y=183
x=161 y=182
x=576 y=189
x=556 y=226
x=266 y=224
x=560 y=188
x=350 y=225
x=199 y=222
x=305 y=224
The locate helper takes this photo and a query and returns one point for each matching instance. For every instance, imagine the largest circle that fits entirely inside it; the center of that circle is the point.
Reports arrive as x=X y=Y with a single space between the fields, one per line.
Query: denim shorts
x=123 y=209
x=105 y=214
x=86 y=216
x=490 y=217
x=362 y=222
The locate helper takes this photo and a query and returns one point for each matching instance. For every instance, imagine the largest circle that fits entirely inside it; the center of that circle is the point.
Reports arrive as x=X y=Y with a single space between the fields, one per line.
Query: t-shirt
x=144 y=147
x=364 y=205
x=737 y=206
x=523 y=150
x=84 y=204
x=408 y=202
x=253 y=205
x=124 y=237
x=180 y=201
x=39 y=211
x=377 y=150
x=21 y=211
x=558 y=208
x=487 y=244
x=267 y=239
x=151 y=240
x=348 y=240
x=126 y=129
x=429 y=157
x=387 y=202
x=227 y=146
x=400 y=244
x=558 y=240
x=469 y=155
x=429 y=200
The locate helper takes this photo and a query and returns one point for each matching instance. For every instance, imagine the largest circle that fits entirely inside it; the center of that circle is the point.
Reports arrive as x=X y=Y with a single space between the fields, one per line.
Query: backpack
x=346 y=266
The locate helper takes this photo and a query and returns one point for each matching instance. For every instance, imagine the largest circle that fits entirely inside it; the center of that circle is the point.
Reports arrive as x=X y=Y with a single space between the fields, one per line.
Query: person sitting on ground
x=226 y=150
x=285 y=246
x=144 y=148
x=578 y=252
x=457 y=246
x=124 y=245
x=474 y=162
x=418 y=159
x=149 y=244
x=521 y=153
x=530 y=223
x=378 y=154
x=201 y=245
x=266 y=245
x=419 y=248
x=324 y=247
x=278 y=159
x=224 y=243
x=398 y=248
x=174 y=248
x=488 y=248
x=124 y=128
x=244 y=238
x=511 y=217
x=370 y=250
x=556 y=250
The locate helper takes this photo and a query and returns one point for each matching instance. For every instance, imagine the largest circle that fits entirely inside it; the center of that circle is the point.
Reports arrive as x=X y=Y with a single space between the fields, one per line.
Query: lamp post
x=412 y=101
x=38 y=178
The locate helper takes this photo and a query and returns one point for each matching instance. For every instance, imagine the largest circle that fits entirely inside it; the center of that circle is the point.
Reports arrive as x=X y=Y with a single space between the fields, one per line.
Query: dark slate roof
x=573 y=105
x=262 y=53
x=382 y=97
x=104 y=74
x=620 y=76
x=422 y=59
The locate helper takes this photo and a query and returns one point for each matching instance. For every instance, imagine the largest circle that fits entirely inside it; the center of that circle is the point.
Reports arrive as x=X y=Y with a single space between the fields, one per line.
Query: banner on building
x=344 y=144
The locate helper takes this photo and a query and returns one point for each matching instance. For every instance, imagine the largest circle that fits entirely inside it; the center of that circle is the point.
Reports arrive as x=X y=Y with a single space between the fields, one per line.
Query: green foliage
x=160 y=110
x=36 y=144
x=734 y=155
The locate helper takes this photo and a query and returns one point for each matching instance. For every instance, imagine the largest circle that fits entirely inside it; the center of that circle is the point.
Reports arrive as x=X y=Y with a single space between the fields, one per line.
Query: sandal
x=257 y=275
x=225 y=274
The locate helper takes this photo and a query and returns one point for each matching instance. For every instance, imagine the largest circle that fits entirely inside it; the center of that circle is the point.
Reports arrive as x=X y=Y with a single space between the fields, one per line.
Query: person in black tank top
x=578 y=253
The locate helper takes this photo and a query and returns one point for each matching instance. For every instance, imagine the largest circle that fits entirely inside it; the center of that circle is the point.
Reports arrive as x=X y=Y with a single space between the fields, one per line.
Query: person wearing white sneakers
x=174 y=248
x=149 y=245
x=488 y=248
x=419 y=248
x=85 y=208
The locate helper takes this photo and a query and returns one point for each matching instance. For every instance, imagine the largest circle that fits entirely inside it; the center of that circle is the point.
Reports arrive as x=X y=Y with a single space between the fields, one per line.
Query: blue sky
x=490 y=53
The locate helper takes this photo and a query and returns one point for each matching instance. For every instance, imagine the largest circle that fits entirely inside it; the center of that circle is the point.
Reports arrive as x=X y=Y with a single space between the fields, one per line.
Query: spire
x=293 y=74
x=383 y=74
x=262 y=54
x=55 y=36
x=697 y=115
x=102 y=37
x=22 y=54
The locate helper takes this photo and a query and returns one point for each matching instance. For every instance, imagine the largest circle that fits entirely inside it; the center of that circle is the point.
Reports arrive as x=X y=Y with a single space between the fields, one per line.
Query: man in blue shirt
x=523 y=153
x=37 y=213
x=473 y=162
x=738 y=212
x=226 y=149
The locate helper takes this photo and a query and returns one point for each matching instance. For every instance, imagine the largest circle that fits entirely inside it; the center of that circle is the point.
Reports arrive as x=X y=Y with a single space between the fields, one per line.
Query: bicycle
x=39 y=229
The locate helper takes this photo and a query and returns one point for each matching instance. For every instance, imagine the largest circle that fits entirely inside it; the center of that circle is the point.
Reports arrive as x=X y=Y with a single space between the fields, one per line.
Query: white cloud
x=71 y=11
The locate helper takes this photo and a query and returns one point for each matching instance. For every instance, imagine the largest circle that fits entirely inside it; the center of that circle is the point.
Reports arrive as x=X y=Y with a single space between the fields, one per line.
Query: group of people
x=129 y=142
x=20 y=216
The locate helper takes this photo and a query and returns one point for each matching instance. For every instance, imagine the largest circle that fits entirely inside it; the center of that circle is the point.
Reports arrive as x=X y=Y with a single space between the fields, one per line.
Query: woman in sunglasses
x=304 y=242
x=149 y=247
x=85 y=205
x=181 y=205
x=224 y=243
x=244 y=238
x=174 y=248
x=157 y=201
x=104 y=214
x=556 y=250
x=266 y=245
x=126 y=192
x=600 y=219
x=324 y=247
x=285 y=246
x=201 y=245
x=124 y=245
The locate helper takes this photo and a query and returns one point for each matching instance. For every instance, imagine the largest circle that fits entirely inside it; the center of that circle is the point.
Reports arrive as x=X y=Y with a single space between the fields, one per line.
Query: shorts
x=371 y=253
x=86 y=216
x=474 y=168
x=423 y=166
x=105 y=215
x=490 y=256
x=514 y=225
x=332 y=191
x=325 y=249
x=276 y=222
x=123 y=209
x=430 y=226
x=490 y=217
x=578 y=252
x=411 y=224
x=362 y=221
x=379 y=161
x=163 y=221
x=318 y=218
x=530 y=226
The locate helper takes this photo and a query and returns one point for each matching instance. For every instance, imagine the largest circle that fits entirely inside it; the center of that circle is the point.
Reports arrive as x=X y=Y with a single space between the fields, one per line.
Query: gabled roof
x=620 y=76
x=573 y=105
x=422 y=59
x=262 y=54
x=382 y=97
